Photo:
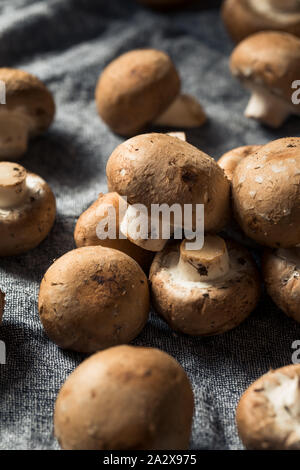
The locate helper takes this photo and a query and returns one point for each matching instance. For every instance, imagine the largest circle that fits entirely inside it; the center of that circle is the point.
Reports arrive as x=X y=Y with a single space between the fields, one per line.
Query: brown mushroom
x=93 y=298
x=2 y=303
x=160 y=169
x=28 y=111
x=268 y=413
x=281 y=271
x=105 y=210
x=268 y=64
x=266 y=189
x=245 y=17
x=27 y=209
x=207 y=291
x=125 y=398
x=230 y=160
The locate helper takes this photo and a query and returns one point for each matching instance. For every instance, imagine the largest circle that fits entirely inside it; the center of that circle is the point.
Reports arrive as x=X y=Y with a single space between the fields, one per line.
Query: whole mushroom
x=2 y=303
x=156 y=169
x=27 y=112
x=207 y=291
x=268 y=413
x=268 y=64
x=27 y=209
x=281 y=271
x=245 y=17
x=230 y=160
x=142 y=87
x=125 y=398
x=266 y=194
x=106 y=210
x=93 y=298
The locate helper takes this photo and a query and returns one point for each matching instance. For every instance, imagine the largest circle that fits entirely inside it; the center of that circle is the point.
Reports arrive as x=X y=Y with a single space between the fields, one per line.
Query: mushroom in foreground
x=28 y=112
x=106 y=210
x=207 y=291
x=2 y=303
x=27 y=209
x=281 y=271
x=245 y=17
x=160 y=169
x=230 y=160
x=265 y=189
x=268 y=64
x=125 y=398
x=268 y=413
x=93 y=298
x=142 y=87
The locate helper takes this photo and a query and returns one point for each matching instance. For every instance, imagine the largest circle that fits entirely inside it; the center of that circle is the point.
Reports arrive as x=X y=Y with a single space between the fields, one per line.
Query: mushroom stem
x=14 y=131
x=179 y=135
x=184 y=112
x=136 y=226
x=267 y=108
x=207 y=264
x=12 y=184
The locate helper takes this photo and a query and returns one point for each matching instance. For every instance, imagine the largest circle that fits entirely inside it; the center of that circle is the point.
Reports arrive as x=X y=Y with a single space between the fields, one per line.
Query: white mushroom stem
x=184 y=112
x=14 y=132
x=136 y=226
x=13 y=186
x=267 y=108
x=179 y=135
x=207 y=264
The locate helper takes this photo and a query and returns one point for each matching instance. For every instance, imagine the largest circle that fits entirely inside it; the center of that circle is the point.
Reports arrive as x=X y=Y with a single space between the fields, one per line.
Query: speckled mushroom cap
x=268 y=413
x=24 y=224
x=93 y=298
x=230 y=160
x=245 y=17
x=136 y=88
x=266 y=194
x=270 y=60
x=204 y=308
x=161 y=169
x=281 y=271
x=87 y=225
x=125 y=398
x=2 y=303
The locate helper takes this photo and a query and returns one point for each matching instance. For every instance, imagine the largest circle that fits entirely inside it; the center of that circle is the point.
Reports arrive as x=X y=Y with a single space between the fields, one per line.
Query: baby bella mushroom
x=93 y=298
x=245 y=17
x=281 y=271
x=125 y=398
x=207 y=291
x=27 y=209
x=106 y=210
x=158 y=169
x=230 y=160
x=142 y=87
x=268 y=64
x=268 y=414
x=28 y=111
x=265 y=189
x=2 y=303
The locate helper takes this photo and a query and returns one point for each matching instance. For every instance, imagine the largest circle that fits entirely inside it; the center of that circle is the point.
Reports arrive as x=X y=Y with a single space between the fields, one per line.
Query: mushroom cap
x=266 y=194
x=204 y=308
x=93 y=298
x=136 y=88
x=25 y=226
x=267 y=415
x=125 y=398
x=161 y=169
x=270 y=60
x=245 y=17
x=281 y=271
x=27 y=93
x=86 y=231
x=230 y=160
x=2 y=303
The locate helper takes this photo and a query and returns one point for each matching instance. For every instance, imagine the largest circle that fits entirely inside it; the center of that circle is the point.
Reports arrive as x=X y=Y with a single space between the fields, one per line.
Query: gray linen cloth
x=67 y=43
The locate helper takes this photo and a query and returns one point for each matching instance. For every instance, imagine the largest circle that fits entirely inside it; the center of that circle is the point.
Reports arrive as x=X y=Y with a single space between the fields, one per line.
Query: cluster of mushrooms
x=96 y=298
